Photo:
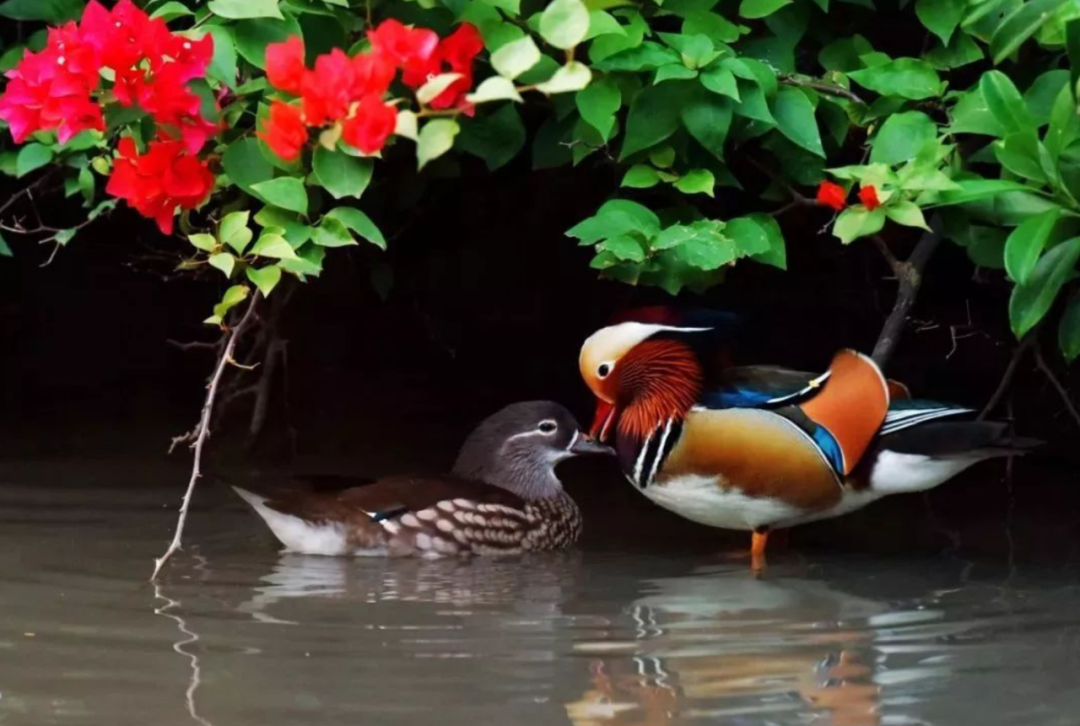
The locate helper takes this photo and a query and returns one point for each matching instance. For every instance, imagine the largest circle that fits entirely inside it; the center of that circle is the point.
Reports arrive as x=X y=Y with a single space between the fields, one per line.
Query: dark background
x=489 y=304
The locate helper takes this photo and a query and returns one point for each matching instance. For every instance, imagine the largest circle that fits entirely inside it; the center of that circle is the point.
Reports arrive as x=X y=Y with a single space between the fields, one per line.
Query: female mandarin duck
x=502 y=498
x=760 y=447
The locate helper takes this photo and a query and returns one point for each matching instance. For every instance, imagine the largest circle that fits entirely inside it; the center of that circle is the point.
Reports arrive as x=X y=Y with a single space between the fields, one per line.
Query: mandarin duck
x=502 y=497
x=761 y=447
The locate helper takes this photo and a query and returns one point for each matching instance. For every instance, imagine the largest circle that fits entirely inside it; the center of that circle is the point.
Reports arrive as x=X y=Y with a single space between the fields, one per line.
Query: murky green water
x=237 y=635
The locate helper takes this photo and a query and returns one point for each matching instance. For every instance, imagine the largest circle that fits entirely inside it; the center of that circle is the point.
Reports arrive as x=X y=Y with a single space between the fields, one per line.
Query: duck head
x=649 y=367
x=518 y=448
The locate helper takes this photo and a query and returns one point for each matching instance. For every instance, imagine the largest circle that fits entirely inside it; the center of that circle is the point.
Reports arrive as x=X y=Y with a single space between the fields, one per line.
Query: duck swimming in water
x=502 y=497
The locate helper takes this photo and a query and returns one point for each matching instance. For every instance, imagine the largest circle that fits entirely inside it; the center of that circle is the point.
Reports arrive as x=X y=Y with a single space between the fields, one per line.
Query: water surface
x=236 y=634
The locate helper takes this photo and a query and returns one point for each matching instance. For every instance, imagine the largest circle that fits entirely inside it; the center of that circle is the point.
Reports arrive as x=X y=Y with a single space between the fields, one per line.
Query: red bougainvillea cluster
x=351 y=91
x=833 y=195
x=62 y=89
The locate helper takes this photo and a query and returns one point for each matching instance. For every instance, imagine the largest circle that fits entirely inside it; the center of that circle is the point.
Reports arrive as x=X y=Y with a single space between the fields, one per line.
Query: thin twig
x=829 y=89
x=194 y=345
x=203 y=431
x=1061 y=390
x=180 y=647
x=1010 y=373
x=894 y=264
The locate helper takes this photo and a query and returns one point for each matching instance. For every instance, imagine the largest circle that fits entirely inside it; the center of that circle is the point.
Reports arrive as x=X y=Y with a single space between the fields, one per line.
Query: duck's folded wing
x=762 y=387
x=394 y=496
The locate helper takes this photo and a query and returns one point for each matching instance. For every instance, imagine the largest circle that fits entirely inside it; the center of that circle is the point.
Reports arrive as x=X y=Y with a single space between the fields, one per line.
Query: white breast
x=701 y=499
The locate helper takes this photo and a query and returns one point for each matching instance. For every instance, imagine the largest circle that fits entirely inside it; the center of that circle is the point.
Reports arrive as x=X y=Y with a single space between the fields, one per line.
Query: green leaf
x=5 y=251
x=340 y=174
x=204 y=242
x=616 y=217
x=904 y=77
x=603 y=23
x=242 y=9
x=286 y=192
x=496 y=138
x=232 y=297
x=711 y=25
x=1032 y=300
x=222 y=66
x=858 y=221
x=234 y=231
x=573 y=76
x=721 y=80
x=961 y=51
x=673 y=72
x=640 y=176
x=31 y=158
x=750 y=236
x=697 y=181
x=906 y=213
x=1005 y=103
x=794 y=116
x=516 y=57
x=901 y=137
x=653 y=117
x=1026 y=244
x=1020 y=26
x=940 y=17
x=224 y=262
x=972 y=115
x=625 y=247
x=708 y=248
x=776 y=254
x=598 y=105
x=1043 y=94
x=332 y=233
x=53 y=12
x=648 y=56
x=1021 y=153
x=564 y=23
x=972 y=190
x=663 y=157
x=1064 y=126
x=1069 y=329
x=754 y=9
x=435 y=86
x=246 y=166
x=252 y=36
x=359 y=223
x=707 y=117
x=273 y=245
x=495 y=88
x=436 y=138
x=264 y=278
x=171 y=11
x=296 y=232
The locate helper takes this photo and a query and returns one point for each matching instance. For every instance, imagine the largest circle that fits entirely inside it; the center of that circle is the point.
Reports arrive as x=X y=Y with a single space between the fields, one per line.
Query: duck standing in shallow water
x=501 y=498
x=760 y=447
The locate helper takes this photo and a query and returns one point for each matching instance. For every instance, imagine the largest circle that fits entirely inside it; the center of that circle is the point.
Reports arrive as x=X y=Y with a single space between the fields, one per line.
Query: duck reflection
x=533 y=585
x=711 y=646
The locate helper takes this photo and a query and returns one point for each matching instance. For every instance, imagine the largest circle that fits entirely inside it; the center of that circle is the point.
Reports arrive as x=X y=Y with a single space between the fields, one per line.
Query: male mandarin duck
x=501 y=498
x=760 y=447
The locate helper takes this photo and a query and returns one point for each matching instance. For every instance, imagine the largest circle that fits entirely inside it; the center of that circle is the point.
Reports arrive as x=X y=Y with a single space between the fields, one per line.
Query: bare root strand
x=202 y=432
x=1010 y=373
x=1061 y=390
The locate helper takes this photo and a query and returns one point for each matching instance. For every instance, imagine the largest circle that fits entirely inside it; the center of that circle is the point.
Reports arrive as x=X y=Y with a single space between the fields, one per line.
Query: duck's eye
x=604 y=370
x=547 y=427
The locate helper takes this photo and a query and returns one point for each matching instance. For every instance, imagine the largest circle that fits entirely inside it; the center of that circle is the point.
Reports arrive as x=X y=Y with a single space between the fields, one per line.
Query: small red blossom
x=402 y=45
x=868 y=196
x=42 y=94
x=285 y=65
x=372 y=75
x=371 y=126
x=285 y=131
x=328 y=90
x=832 y=195
x=454 y=54
x=159 y=181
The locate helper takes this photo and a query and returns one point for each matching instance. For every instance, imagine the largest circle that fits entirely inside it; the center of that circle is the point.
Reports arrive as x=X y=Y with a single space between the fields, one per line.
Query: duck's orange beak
x=605 y=415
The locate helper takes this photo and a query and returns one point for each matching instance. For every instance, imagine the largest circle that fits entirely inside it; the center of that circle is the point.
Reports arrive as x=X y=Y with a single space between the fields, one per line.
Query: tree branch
x=909 y=275
x=202 y=432
x=1061 y=390
x=1010 y=373
x=829 y=89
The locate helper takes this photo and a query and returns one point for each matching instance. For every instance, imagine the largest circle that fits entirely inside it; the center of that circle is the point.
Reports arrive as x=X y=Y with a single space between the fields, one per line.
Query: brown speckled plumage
x=503 y=498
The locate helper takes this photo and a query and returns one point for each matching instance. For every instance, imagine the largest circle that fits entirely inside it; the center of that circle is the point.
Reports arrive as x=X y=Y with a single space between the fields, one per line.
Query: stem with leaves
x=202 y=430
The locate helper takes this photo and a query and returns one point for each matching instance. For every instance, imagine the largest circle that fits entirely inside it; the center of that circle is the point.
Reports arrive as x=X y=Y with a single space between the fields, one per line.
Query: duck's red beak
x=605 y=415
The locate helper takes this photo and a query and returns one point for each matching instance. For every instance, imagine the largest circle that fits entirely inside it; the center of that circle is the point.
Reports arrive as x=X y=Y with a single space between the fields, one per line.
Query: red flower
x=285 y=65
x=868 y=196
x=372 y=125
x=328 y=90
x=455 y=54
x=42 y=94
x=284 y=131
x=831 y=195
x=402 y=45
x=372 y=74
x=159 y=181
